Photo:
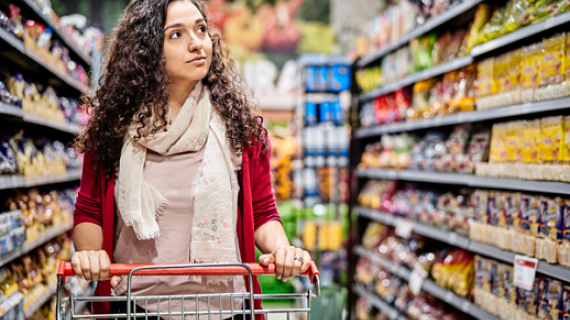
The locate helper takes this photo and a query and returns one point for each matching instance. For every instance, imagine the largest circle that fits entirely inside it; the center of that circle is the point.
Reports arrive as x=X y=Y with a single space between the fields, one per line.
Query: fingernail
x=266 y=260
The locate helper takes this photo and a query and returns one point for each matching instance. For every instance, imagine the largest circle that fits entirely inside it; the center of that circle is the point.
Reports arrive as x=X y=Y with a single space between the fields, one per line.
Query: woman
x=177 y=163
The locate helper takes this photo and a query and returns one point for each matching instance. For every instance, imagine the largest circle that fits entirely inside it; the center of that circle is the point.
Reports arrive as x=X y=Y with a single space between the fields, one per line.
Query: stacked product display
x=463 y=151
x=45 y=65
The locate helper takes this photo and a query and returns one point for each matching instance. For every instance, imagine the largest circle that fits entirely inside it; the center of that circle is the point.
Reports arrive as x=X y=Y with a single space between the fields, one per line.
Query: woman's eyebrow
x=180 y=24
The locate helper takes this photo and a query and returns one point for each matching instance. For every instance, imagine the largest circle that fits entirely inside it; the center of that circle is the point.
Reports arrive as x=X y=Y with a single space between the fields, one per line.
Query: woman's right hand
x=91 y=265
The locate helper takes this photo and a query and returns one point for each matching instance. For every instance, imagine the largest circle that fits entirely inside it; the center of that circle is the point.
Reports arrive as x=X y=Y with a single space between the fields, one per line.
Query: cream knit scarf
x=215 y=206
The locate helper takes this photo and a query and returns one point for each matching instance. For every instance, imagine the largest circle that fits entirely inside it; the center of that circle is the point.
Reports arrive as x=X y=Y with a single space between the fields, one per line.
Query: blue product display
x=339 y=77
x=311 y=79
x=311 y=113
x=325 y=112
x=321 y=78
x=338 y=115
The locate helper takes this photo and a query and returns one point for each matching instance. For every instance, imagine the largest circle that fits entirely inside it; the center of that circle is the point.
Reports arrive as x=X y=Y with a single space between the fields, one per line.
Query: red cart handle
x=122 y=269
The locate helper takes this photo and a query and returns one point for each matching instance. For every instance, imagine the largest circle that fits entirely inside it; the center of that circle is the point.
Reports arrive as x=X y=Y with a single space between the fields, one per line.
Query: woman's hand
x=91 y=265
x=287 y=261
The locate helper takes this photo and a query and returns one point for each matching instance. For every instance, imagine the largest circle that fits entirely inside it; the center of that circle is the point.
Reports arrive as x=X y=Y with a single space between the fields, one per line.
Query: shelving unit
x=391 y=312
x=430 y=25
x=32 y=56
x=470 y=180
x=429 y=286
x=35 y=306
x=86 y=60
x=7 y=109
x=461 y=241
x=477 y=52
x=31 y=245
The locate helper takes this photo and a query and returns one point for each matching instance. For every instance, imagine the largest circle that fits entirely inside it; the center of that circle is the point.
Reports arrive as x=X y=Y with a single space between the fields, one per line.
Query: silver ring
x=300 y=259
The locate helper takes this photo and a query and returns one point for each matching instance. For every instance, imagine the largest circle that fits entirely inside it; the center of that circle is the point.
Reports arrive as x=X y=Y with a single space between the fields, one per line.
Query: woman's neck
x=178 y=95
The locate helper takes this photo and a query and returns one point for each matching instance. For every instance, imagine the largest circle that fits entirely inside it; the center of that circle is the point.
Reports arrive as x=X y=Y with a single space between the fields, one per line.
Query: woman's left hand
x=289 y=261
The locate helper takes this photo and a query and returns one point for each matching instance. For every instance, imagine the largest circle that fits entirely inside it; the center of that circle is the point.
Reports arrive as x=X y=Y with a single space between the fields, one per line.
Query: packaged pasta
x=553 y=68
x=513 y=209
x=566 y=218
x=551 y=218
x=509 y=292
x=531 y=65
x=528 y=299
x=530 y=212
x=498 y=151
x=486 y=80
x=551 y=130
x=514 y=140
x=565 y=141
x=530 y=141
x=514 y=68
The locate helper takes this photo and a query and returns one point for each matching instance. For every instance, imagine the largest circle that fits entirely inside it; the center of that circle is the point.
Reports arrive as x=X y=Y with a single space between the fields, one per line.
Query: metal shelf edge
x=18 y=181
x=418 y=31
x=32 y=118
x=380 y=304
x=471 y=180
x=471 y=116
x=28 y=313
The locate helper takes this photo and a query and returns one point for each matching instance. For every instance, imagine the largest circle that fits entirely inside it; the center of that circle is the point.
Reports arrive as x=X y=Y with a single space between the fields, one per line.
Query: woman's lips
x=198 y=61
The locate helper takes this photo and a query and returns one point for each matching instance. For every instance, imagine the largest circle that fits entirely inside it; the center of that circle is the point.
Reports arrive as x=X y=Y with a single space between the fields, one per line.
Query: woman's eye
x=202 y=29
x=175 y=35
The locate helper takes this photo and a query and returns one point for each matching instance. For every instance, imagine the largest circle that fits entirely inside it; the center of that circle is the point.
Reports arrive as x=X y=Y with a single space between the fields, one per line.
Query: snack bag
x=514 y=140
x=510 y=291
x=501 y=69
x=565 y=141
x=566 y=303
x=498 y=151
x=551 y=131
x=513 y=210
x=487 y=84
x=482 y=273
x=555 y=295
x=543 y=307
x=15 y=21
x=552 y=220
x=482 y=15
x=514 y=68
x=530 y=212
x=528 y=299
x=565 y=204
x=531 y=66
x=530 y=141
x=553 y=68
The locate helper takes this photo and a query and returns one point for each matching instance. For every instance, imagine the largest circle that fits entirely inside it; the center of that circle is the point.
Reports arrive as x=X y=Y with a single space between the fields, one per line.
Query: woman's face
x=187 y=45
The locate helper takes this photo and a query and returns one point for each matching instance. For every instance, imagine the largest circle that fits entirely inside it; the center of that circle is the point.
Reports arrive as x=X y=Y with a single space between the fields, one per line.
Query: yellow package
x=531 y=65
x=486 y=78
x=550 y=137
x=567 y=56
x=514 y=66
x=498 y=151
x=553 y=68
x=530 y=141
x=565 y=141
x=513 y=140
x=501 y=73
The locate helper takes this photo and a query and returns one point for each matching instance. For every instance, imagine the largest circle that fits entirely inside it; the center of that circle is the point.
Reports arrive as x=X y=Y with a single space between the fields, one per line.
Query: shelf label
x=549 y=23
x=417 y=278
x=404 y=228
x=452 y=238
x=524 y=272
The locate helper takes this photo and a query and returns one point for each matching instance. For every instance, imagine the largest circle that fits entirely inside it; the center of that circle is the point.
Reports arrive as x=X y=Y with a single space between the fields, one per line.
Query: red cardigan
x=96 y=204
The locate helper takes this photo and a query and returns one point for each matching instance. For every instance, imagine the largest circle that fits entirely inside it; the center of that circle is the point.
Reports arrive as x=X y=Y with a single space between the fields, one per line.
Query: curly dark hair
x=135 y=75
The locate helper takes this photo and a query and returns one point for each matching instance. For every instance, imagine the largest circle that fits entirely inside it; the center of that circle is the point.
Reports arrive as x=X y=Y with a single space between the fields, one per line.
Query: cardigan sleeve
x=88 y=205
x=264 y=207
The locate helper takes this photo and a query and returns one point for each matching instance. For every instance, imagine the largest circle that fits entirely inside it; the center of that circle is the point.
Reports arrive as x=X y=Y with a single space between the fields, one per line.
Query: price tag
x=549 y=23
x=465 y=306
x=448 y=296
x=404 y=228
x=417 y=278
x=524 y=272
x=452 y=238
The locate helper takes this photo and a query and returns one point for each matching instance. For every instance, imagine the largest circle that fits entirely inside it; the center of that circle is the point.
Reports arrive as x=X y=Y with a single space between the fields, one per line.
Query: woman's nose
x=195 y=44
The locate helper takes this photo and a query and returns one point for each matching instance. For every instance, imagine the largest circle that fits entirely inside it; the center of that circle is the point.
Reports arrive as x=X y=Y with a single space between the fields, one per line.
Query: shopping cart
x=301 y=301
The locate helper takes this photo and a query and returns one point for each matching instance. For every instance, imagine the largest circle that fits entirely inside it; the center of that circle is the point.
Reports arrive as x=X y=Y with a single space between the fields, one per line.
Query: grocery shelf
x=276 y=102
x=391 y=312
x=425 y=28
x=18 y=181
x=521 y=34
x=46 y=236
x=429 y=286
x=19 y=46
x=40 y=301
x=468 y=180
x=56 y=29
x=422 y=75
x=465 y=117
x=461 y=241
x=33 y=118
